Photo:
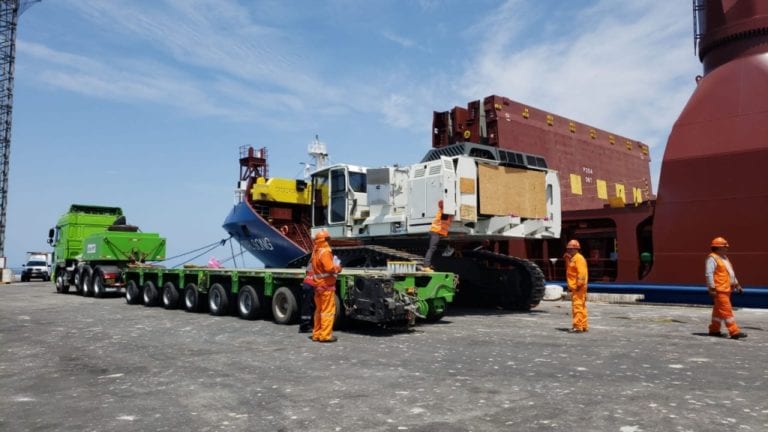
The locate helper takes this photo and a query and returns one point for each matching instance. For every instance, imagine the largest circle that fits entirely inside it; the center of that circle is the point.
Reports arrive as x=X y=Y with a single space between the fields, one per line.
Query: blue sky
x=143 y=104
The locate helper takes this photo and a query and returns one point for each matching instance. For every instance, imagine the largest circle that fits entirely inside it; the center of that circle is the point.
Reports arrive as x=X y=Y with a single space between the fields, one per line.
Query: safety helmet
x=719 y=242
x=322 y=235
x=573 y=244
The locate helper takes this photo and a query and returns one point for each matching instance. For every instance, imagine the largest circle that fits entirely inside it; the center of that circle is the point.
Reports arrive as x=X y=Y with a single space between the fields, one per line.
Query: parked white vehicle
x=38 y=266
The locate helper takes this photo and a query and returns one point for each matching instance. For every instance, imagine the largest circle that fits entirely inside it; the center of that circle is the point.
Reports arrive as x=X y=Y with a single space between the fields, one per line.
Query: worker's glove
x=711 y=292
x=336 y=261
x=738 y=289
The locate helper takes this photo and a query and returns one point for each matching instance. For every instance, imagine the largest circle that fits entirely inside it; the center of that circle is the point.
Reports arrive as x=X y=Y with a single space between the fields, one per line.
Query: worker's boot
x=739 y=335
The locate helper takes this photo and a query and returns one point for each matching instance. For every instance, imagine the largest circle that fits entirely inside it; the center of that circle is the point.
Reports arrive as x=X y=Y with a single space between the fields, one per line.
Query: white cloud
x=628 y=70
x=400 y=40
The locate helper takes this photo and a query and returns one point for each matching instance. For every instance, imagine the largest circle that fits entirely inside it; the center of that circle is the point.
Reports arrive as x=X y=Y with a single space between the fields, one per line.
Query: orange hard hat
x=719 y=242
x=573 y=244
x=322 y=235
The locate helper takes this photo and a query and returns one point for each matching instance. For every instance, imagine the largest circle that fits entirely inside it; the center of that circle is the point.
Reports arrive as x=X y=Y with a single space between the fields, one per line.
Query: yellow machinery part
x=280 y=190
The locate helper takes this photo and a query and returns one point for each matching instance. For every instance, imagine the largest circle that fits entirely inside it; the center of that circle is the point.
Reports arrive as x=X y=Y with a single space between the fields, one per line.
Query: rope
x=232 y=249
x=218 y=242
x=233 y=258
x=215 y=245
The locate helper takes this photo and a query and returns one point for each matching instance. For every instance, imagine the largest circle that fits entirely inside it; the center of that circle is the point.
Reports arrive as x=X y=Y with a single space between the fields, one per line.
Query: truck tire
x=285 y=308
x=340 y=319
x=132 y=293
x=61 y=284
x=97 y=283
x=170 y=296
x=76 y=280
x=248 y=303
x=85 y=281
x=150 y=295
x=218 y=300
x=192 y=298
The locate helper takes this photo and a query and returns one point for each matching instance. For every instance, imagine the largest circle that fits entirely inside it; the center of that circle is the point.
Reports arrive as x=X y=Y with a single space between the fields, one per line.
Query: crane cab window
x=338 y=196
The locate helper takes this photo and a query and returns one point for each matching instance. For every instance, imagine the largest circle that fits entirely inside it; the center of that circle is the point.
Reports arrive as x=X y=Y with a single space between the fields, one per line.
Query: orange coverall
x=325 y=291
x=576 y=276
x=439 y=228
x=722 y=312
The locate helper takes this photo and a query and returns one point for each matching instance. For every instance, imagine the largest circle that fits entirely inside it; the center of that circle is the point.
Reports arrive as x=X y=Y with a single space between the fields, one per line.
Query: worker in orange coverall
x=325 y=267
x=576 y=275
x=721 y=281
x=439 y=228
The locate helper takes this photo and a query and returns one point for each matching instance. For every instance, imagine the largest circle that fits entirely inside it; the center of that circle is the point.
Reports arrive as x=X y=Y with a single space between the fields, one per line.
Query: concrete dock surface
x=69 y=363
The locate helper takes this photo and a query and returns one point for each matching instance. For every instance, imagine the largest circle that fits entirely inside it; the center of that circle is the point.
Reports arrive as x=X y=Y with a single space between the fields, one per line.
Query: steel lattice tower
x=9 y=15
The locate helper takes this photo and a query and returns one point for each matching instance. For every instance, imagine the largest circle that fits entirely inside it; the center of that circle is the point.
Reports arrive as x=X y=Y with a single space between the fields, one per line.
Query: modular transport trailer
x=97 y=252
x=377 y=296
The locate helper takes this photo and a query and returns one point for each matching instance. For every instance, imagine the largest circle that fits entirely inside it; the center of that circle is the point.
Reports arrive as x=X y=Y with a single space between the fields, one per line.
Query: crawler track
x=486 y=279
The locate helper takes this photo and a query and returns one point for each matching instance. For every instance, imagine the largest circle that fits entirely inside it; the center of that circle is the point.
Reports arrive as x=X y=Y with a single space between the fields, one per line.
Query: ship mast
x=319 y=154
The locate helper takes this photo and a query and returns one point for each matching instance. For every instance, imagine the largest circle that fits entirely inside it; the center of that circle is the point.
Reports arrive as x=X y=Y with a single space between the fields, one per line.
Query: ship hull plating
x=260 y=238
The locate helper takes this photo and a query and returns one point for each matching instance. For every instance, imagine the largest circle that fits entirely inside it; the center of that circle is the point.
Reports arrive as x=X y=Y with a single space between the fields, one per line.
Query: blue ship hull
x=753 y=297
x=260 y=238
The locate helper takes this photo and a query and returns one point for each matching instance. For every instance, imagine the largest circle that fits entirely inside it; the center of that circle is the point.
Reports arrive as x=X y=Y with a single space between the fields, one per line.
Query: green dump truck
x=93 y=244
x=96 y=252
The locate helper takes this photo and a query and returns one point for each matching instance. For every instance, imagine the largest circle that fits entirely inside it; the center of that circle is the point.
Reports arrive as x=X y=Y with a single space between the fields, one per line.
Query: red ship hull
x=712 y=180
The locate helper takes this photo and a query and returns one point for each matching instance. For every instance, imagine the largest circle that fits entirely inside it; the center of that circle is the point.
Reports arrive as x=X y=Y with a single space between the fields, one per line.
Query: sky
x=143 y=104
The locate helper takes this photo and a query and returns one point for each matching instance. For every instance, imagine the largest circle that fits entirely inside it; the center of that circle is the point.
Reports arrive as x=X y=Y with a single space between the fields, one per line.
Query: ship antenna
x=319 y=154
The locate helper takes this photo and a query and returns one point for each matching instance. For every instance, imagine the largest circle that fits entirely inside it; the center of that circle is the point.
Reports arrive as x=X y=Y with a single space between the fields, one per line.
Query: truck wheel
x=218 y=300
x=248 y=303
x=61 y=285
x=340 y=319
x=170 y=296
x=85 y=281
x=285 y=308
x=150 y=295
x=78 y=287
x=132 y=293
x=97 y=283
x=192 y=298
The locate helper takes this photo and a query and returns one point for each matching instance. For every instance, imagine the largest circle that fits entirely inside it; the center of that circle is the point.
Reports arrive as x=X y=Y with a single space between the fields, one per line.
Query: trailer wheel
x=132 y=292
x=61 y=284
x=170 y=296
x=150 y=295
x=285 y=308
x=192 y=298
x=248 y=303
x=85 y=281
x=218 y=300
x=97 y=283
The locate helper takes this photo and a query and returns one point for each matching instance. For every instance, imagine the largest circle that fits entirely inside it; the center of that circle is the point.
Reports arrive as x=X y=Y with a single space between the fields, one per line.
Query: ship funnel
x=725 y=30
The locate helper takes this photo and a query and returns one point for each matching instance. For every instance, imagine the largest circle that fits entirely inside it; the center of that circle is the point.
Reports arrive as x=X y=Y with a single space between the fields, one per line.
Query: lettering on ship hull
x=261 y=244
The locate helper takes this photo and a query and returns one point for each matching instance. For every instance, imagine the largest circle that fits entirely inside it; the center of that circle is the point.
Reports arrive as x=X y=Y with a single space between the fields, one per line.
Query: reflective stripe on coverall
x=325 y=291
x=576 y=276
x=722 y=312
x=439 y=228
x=441 y=224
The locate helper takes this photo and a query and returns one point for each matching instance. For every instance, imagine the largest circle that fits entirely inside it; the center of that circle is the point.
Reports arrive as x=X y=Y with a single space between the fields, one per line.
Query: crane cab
x=339 y=199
